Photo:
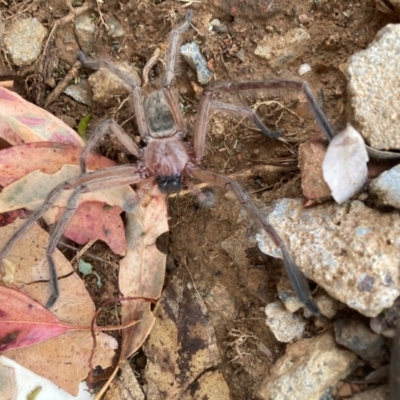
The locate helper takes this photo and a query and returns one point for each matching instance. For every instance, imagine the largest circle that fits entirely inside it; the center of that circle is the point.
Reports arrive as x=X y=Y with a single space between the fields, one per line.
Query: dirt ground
x=199 y=238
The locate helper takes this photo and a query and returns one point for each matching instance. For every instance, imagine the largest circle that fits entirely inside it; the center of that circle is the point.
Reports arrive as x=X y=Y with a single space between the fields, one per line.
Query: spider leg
x=206 y=105
x=246 y=112
x=296 y=277
x=228 y=87
x=96 y=180
x=130 y=83
x=170 y=69
x=100 y=130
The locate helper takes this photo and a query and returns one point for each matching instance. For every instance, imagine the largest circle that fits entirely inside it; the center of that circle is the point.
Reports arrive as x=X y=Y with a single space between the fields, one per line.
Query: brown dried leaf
x=23 y=122
x=182 y=348
x=47 y=157
x=64 y=359
x=31 y=171
x=142 y=271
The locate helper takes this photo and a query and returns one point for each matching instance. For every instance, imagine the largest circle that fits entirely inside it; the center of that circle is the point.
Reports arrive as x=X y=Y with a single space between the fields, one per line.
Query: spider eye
x=169 y=184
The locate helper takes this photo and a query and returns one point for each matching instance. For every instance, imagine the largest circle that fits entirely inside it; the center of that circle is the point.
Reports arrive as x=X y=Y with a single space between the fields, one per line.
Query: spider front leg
x=96 y=180
x=296 y=277
x=207 y=105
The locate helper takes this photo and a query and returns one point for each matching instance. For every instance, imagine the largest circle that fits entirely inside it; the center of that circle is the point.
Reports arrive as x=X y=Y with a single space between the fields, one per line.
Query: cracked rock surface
x=351 y=250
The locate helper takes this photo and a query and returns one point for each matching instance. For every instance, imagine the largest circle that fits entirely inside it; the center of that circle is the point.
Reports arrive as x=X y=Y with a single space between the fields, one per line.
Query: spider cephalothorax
x=166 y=159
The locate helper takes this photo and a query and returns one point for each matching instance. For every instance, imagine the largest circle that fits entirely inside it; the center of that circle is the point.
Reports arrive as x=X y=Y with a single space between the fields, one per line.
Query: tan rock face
x=24 y=40
x=350 y=250
x=374 y=93
x=307 y=369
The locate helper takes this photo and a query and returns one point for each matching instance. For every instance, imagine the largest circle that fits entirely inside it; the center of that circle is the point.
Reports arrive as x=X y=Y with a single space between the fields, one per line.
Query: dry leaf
x=345 y=164
x=47 y=157
x=29 y=182
x=182 y=347
x=125 y=386
x=23 y=122
x=64 y=359
x=142 y=270
x=24 y=322
x=25 y=383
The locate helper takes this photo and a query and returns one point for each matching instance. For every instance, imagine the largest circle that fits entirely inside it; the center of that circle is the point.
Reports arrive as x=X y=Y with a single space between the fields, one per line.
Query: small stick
x=72 y=73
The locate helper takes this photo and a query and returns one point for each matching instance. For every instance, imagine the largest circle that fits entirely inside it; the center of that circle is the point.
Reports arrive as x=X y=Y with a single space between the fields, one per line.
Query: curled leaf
x=345 y=164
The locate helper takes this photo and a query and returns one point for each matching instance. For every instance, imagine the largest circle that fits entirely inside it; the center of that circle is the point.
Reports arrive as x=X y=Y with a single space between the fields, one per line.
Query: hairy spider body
x=166 y=159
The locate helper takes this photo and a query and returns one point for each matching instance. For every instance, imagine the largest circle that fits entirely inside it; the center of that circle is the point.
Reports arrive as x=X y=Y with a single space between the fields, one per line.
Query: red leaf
x=24 y=322
x=97 y=221
x=23 y=122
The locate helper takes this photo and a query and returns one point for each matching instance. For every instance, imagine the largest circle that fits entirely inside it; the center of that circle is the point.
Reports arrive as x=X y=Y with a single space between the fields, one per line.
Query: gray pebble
x=192 y=55
x=24 y=40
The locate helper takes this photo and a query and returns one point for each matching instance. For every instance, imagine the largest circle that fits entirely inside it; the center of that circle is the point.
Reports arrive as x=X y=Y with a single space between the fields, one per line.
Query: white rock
x=345 y=164
x=107 y=86
x=284 y=325
x=304 y=68
x=386 y=187
x=350 y=250
x=24 y=40
x=374 y=89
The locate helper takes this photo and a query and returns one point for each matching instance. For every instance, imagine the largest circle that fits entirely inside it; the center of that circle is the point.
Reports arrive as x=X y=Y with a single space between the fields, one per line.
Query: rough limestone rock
x=374 y=91
x=107 y=86
x=385 y=189
x=284 y=325
x=24 y=40
x=350 y=250
x=307 y=369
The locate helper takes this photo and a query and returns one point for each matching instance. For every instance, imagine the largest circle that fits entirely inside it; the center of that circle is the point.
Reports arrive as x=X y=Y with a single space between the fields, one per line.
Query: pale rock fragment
x=307 y=369
x=351 y=250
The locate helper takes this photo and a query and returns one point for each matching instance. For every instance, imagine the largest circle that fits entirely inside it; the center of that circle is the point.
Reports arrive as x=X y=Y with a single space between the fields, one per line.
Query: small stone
x=215 y=22
x=378 y=393
x=66 y=45
x=220 y=305
x=326 y=304
x=283 y=49
x=307 y=370
x=374 y=94
x=191 y=53
x=304 y=19
x=386 y=188
x=304 y=69
x=82 y=92
x=107 y=86
x=357 y=337
x=284 y=325
x=85 y=29
x=311 y=156
x=230 y=196
x=241 y=55
x=344 y=389
x=24 y=40
x=287 y=295
x=116 y=30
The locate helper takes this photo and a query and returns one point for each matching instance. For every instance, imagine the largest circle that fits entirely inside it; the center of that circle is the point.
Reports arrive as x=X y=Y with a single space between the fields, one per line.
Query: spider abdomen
x=158 y=115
